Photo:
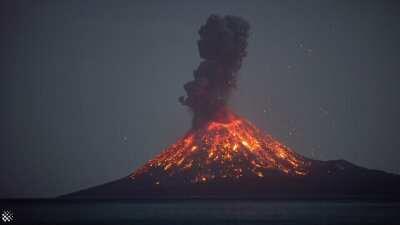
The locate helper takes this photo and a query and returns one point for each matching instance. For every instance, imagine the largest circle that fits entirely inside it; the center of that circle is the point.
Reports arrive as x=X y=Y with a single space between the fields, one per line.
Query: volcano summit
x=225 y=156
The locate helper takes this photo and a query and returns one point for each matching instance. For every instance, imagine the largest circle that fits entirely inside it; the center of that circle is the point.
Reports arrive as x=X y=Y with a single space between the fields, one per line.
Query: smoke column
x=222 y=46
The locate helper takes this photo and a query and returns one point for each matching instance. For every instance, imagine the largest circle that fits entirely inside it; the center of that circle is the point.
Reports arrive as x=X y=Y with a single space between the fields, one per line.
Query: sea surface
x=213 y=212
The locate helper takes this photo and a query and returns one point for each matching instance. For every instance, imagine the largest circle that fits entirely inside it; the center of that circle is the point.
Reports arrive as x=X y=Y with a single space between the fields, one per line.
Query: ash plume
x=222 y=46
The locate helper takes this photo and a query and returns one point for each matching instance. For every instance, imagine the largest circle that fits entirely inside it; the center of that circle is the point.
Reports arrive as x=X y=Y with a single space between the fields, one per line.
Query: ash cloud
x=222 y=46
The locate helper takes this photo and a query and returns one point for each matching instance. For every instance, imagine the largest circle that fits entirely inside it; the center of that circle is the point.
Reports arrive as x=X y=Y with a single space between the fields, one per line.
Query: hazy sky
x=89 y=89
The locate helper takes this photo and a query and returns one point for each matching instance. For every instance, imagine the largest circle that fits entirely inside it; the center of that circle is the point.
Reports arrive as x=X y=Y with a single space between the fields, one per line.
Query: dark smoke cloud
x=222 y=46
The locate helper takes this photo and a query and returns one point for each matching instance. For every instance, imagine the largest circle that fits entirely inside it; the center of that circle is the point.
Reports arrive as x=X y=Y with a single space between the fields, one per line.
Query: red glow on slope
x=228 y=150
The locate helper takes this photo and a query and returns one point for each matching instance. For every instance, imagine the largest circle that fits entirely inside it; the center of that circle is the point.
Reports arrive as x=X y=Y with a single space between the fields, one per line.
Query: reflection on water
x=204 y=212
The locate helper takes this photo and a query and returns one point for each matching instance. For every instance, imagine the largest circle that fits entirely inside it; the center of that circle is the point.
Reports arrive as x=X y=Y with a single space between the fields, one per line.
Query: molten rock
x=223 y=150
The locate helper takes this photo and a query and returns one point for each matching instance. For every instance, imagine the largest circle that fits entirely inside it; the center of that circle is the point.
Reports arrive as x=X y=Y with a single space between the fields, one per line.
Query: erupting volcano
x=223 y=150
x=224 y=155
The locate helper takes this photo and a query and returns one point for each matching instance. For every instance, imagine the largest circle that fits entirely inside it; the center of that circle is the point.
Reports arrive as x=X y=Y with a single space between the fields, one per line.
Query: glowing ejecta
x=225 y=151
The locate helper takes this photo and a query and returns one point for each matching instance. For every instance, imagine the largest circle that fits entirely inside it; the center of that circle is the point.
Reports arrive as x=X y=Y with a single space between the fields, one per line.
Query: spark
x=235 y=146
x=247 y=145
x=180 y=161
x=167 y=166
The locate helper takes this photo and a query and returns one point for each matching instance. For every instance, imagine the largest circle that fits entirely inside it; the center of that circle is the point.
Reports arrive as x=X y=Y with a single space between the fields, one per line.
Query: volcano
x=234 y=159
x=225 y=156
x=223 y=150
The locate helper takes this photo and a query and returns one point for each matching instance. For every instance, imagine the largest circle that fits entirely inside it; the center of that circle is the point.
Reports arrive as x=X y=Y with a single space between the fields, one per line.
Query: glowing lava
x=224 y=150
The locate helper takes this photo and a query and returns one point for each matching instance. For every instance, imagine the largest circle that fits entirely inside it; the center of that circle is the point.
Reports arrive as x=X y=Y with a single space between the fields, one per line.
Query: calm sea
x=211 y=212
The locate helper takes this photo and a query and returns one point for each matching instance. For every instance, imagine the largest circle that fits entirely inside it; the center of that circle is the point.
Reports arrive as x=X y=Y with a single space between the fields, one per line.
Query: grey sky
x=89 y=89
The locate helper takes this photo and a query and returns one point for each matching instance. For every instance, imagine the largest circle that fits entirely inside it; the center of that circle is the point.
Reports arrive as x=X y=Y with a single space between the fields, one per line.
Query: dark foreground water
x=211 y=212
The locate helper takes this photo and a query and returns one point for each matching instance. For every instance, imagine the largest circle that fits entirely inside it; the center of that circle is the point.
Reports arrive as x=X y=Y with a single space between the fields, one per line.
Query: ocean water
x=213 y=212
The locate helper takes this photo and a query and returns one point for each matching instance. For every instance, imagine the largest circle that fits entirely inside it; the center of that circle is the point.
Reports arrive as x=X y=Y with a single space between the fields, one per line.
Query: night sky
x=89 y=89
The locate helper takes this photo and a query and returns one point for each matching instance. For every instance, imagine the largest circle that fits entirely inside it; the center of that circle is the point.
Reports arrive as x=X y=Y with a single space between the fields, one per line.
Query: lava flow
x=223 y=150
